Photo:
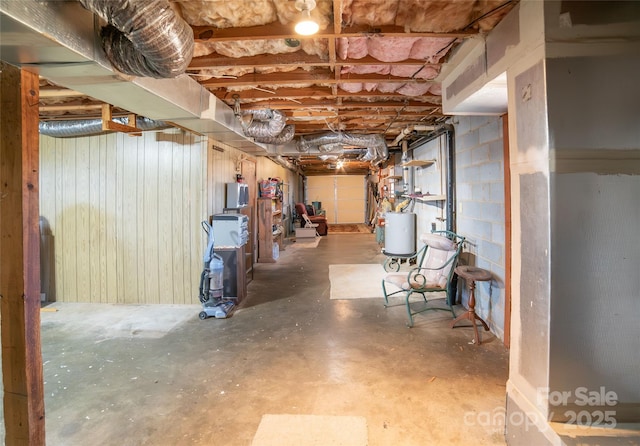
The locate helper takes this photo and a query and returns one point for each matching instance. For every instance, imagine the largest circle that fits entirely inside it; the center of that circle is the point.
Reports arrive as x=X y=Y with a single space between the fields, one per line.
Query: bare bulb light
x=306 y=26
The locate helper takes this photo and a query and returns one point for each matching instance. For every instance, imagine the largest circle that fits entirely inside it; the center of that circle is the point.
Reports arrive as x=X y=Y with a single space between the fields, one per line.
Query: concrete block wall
x=480 y=210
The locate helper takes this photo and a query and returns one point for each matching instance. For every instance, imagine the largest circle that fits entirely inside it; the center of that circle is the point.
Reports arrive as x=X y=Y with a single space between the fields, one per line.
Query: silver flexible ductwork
x=267 y=126
x=284 y=136
x=144 y=37
x=92 y=127
x=330 y=142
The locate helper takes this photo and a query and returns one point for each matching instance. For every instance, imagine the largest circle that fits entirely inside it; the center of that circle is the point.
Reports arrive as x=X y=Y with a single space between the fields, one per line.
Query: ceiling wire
x=488 y=13
x=396 y=118
x=329 y=126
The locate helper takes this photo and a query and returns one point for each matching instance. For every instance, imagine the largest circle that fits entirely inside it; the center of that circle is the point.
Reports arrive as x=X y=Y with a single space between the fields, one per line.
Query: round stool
x=471 y=275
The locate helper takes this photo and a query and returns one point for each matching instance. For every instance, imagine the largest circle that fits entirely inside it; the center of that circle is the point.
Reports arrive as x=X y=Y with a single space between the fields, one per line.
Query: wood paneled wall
x=124 y=216
x=223 y=163
x=121 y=216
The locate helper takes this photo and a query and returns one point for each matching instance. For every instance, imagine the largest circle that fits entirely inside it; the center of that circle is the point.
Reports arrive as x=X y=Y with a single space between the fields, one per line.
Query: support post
x=20 y=258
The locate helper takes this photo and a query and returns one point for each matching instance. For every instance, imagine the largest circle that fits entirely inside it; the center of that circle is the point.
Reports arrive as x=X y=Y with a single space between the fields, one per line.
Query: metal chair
x=309 y=224
x=437 y=260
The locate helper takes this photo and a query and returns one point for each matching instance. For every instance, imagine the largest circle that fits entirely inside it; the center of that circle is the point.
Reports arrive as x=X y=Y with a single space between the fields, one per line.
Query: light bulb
x=306 y=26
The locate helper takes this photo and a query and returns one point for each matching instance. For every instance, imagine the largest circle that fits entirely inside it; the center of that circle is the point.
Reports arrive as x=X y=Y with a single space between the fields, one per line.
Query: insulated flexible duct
x=284 y=136
x=267 y=126
x=264 y=122
x=91 y=127
x=144 y=37
x=376 y=146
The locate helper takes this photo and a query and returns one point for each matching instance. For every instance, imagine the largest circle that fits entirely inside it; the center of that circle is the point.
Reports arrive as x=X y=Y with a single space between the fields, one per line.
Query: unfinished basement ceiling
x=374 y=68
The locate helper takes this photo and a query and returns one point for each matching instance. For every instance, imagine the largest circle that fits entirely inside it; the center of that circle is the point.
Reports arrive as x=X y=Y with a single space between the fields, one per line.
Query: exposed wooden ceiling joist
x=278 y=31
x=301 y=76
x=212 y=61
x=314 y=80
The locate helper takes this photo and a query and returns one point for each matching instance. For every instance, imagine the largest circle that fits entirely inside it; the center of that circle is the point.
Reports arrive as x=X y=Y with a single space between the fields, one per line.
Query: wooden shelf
x=428 y=197
x=418 y=163
x=267 y=238
x=395 y=177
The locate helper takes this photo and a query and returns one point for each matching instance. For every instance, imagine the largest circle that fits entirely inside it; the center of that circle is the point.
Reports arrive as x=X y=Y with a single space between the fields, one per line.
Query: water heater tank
x=399 y=234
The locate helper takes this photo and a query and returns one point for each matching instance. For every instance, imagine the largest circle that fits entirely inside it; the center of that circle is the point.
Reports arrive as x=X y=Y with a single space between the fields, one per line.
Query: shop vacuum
x=212 y=282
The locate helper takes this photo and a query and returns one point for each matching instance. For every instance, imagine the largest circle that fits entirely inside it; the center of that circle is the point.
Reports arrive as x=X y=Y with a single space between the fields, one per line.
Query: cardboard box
x=305 y=232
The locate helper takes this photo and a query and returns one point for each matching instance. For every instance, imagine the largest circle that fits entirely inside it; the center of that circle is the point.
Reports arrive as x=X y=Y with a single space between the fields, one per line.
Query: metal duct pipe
x=144 y=37
x=377 y=150
x=451 y=178
x=263 y=122
x=284 y=136
x=409 y=129
x=92 y=127
x=284 y=163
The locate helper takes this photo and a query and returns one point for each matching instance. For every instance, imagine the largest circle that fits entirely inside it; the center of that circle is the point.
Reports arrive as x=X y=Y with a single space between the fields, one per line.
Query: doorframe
x=507 y=229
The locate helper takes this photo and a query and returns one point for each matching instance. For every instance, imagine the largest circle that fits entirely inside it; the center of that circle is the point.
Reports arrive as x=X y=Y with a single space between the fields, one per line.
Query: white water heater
x=399 y=233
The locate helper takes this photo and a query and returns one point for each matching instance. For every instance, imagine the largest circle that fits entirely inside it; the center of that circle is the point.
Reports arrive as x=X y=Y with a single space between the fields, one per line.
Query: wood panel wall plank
x=69 y=211
x=82 y=207
x=150 y=233
x=93 y=206
x=186 y=213
x=110 y=161
x=165 y=257
x=140 y=220
x=58 y=228
x=177 y=217
x=102 y=222
x=195 y=217
x=118 y=219
x=129 y=216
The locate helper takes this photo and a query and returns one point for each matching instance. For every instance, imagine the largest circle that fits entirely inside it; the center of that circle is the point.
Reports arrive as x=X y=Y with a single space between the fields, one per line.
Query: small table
x=472 y=274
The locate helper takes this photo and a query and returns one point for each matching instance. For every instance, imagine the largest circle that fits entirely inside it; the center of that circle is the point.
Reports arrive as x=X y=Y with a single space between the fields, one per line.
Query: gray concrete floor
x=289 y=349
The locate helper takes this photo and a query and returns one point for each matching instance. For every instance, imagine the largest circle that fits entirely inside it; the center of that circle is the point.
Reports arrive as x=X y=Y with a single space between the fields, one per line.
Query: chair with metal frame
x=437 y=260
x=309 y=224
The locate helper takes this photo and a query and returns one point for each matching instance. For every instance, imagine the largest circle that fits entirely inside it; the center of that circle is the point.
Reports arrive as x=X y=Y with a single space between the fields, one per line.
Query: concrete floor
x=289 y=349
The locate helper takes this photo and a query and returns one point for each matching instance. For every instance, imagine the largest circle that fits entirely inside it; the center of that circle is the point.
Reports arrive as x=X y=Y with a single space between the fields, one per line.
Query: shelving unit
x=269 y=217
x=427 y=197
x=418 y=163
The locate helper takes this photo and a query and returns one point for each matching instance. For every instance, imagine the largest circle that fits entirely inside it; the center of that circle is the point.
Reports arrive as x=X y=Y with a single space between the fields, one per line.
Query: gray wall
x=480 y=209
x=595 y=286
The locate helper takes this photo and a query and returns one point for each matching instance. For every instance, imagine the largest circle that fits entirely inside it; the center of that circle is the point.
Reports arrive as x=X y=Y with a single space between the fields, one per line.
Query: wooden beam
x=279 y=104
x=313 y=93
x=278 y=31
x=108 y=124
x=56 y=92
x=69 y=107
x=20 y=259
x=214 y=61
x=316 y=76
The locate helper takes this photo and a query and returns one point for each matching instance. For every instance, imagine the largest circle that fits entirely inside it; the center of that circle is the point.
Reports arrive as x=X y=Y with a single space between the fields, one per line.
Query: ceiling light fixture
x=306 y=26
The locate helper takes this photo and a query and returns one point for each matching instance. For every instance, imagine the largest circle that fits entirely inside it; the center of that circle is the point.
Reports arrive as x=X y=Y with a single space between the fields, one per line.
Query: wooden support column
x=20 y=258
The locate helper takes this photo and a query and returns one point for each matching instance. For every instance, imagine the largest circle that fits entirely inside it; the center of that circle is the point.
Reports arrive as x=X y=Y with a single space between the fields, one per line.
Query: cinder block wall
x=480 y=209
